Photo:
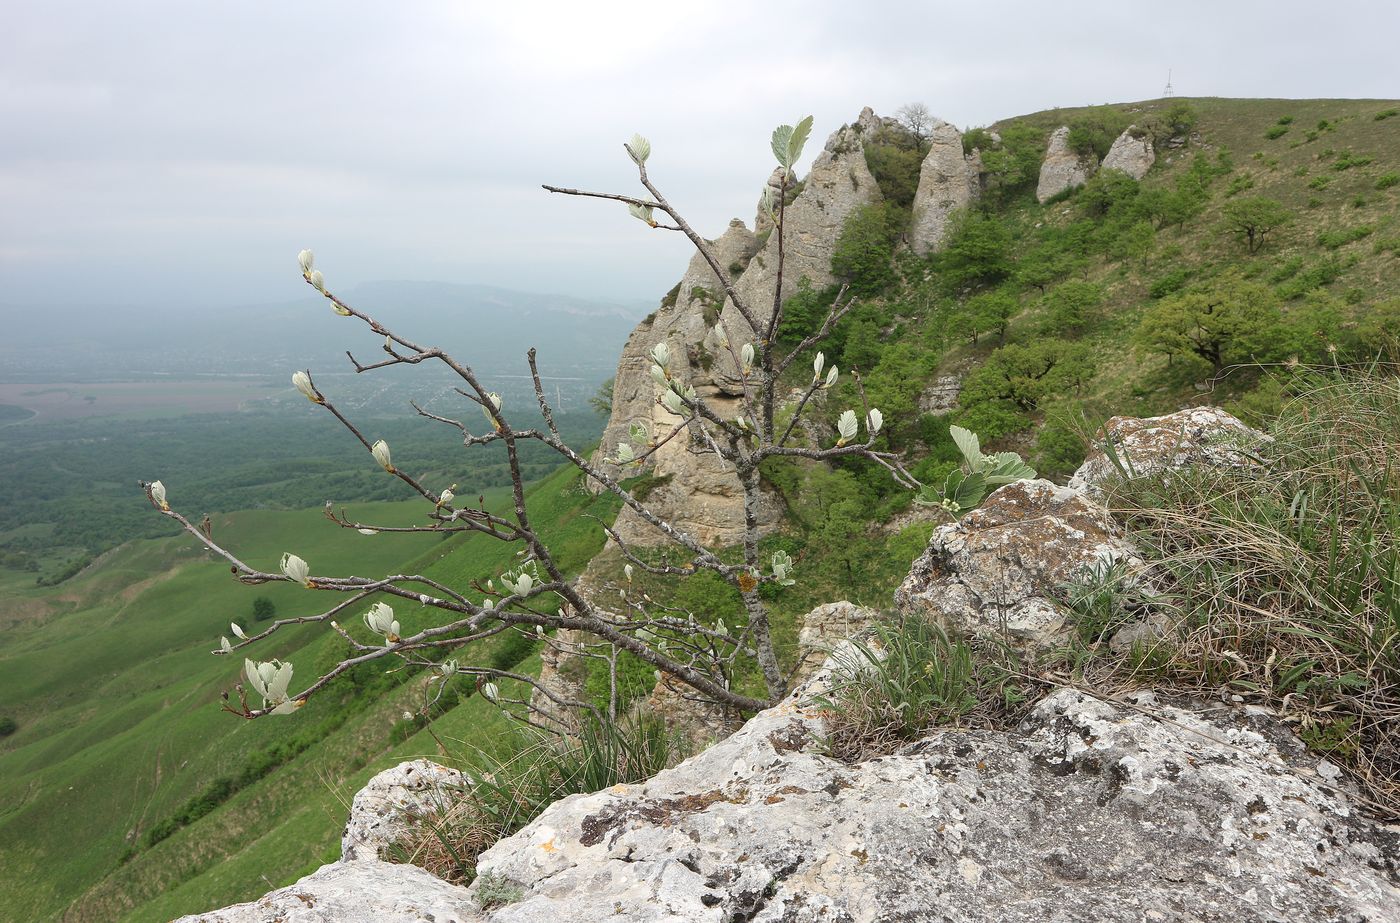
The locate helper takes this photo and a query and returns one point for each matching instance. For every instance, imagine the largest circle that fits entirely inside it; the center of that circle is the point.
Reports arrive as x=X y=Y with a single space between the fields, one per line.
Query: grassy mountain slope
x=1037 y=309
x=120 y=727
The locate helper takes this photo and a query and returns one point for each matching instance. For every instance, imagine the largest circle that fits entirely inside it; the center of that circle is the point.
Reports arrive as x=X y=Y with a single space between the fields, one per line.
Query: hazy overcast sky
x=184 y=152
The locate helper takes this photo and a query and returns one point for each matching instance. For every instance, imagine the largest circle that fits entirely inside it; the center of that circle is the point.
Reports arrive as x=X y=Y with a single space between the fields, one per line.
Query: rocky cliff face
x=838 y=184
x=948 y=180
x=694 y=490
x=1131 y=153
x=1062 y=168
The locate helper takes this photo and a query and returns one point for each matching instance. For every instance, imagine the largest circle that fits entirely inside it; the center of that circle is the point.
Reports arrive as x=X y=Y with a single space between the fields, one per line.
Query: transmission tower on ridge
x=1168 y=92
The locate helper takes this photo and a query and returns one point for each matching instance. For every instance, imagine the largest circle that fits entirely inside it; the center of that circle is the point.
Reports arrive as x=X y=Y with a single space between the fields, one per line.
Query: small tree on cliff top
x=536 y=596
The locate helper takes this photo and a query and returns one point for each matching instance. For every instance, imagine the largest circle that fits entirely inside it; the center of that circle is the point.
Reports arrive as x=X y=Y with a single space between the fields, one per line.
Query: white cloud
x=154 y=144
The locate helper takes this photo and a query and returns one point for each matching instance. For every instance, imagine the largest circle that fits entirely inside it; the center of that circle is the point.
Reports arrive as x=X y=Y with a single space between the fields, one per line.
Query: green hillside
x=117 y=701
x=1121 y=297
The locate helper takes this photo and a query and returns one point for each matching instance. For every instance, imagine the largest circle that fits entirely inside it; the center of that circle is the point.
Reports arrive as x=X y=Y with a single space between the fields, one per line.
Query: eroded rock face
x=824 y=628
x=1199 y=436
x=1088 y=811
x=1130 y=154
x=1062 y=168
x=998 y=568
x=696 y=492
x=948 y=181
x=367 y=891
x=388 y=805
x=838 y=184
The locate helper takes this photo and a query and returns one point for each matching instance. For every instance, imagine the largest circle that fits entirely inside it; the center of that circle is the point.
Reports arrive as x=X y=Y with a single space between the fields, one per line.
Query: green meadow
x=116 y=694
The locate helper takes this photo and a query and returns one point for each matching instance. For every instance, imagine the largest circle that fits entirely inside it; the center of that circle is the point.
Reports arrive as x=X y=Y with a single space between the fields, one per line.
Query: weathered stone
x=941 y=397
x=1062 y=168
x=1088 y=811
x=367 y=891
x=391 y=802
x=694 y=490
x=1131 y=153
x=1199 y=436
x=948 y=181
x=997 y=570
x=838 y=184
x=824 y=628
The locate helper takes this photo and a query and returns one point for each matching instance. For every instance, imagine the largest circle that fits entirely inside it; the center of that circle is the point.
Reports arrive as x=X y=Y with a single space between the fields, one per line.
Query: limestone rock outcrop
x=386 y=807
x=948 y=181
x=824 y=628
x=1063 y=168
x=1131 y=153
x=838 y=184
x=998 y=569
x=1088 y=811
x=1199 y=436
x=694 y=491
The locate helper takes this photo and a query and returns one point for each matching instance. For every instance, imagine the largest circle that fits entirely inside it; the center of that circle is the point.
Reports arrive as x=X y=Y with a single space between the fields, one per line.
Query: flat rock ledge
x=1091 y=810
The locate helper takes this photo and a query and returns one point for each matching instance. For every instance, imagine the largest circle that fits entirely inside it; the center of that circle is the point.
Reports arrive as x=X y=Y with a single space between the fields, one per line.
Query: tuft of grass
x=537 y=769
x=911 y=677
x=1286 y=574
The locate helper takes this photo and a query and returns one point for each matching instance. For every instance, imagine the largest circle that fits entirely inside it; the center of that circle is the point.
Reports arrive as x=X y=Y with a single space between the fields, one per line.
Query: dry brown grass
x=1286 y=577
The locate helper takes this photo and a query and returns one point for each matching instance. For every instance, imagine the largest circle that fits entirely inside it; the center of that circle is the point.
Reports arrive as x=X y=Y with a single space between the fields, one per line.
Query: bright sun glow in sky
x=170 y=152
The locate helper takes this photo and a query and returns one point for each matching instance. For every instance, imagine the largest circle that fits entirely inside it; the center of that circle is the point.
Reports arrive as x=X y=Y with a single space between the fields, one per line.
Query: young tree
x=1221 y=322
x=263 y=609
x=916 y=119
x=1253 y=218
x=537 y=596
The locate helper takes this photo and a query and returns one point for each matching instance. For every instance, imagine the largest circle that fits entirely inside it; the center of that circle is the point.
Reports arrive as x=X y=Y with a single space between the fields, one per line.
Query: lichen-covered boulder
x=390 y=804
x=1089 y=811
x=1131 y=153
x=997 y=570
x=1199 y=436
x=948 y=181
x=1063 y=167
x=367 y=891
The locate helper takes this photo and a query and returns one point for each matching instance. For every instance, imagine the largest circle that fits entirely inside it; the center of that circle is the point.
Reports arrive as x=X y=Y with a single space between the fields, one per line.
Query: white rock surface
x=367 y=891
x=1198 y=436
x=391 y=801
x=948 y=181
x=1129 y=154
x=1090 y=811
x=1062 y=168
x=999 y=567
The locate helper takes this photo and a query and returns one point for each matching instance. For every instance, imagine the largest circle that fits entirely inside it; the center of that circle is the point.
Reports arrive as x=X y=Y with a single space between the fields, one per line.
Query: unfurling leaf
x=873 y=421
x=846 y=427
x=296 y=569
x=642 y=213
x=789 y=140
x=302 y=382
x=380 y=451
x=639 y=149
